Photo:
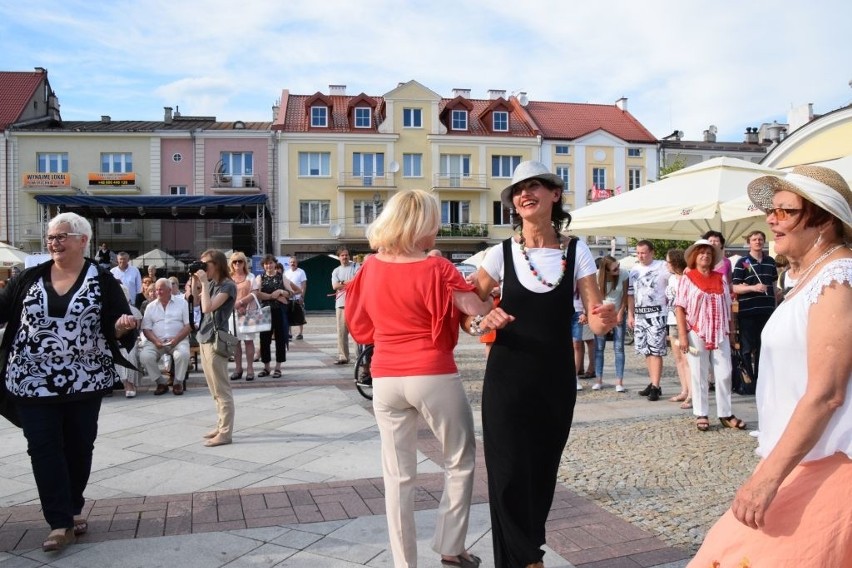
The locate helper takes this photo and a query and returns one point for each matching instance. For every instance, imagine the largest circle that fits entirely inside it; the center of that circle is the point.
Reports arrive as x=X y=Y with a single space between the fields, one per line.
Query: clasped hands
x=498 y=318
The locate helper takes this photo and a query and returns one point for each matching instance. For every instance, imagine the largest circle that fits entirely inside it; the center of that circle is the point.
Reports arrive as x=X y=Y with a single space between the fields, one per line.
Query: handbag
x=256 y=319
x=224 y=343
x=296 y=313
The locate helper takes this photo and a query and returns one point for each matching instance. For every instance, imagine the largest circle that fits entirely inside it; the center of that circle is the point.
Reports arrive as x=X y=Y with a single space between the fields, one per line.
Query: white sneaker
x=579 y=386
x=130 y=393
x=597 y=386
x=619 y=388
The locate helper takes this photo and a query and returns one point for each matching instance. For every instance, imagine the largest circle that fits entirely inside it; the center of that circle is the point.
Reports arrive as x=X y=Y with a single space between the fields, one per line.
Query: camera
x=196 y=266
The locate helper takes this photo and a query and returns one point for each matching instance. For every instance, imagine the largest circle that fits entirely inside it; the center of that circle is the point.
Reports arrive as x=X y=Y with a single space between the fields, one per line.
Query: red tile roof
x=16 y=90
x=569 y=121
x=518 y=126
x=297 y=117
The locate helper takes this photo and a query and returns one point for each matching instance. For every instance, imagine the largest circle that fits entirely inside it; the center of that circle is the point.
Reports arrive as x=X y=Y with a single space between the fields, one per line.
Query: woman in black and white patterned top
x=65 y=320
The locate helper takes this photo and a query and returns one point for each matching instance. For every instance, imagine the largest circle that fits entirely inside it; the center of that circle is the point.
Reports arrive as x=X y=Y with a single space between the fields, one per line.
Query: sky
x=682 y=65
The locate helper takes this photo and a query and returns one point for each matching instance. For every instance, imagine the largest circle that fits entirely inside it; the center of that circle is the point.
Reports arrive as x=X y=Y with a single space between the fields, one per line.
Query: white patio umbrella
x=10 y=256
x=158 y=258
x=681 y=206
x=476 y=259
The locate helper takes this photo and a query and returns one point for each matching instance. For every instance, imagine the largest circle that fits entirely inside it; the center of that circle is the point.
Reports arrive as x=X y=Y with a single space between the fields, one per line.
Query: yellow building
x=341 y=156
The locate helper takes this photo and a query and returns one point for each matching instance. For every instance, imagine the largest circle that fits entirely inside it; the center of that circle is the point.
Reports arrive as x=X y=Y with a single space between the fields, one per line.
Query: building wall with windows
x=461 y=148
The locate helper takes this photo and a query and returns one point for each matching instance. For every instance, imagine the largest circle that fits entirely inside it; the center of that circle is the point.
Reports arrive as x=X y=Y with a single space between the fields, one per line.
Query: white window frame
x=412 y=165
x=52 y=162
x=599 y=174
x=363 y=117
x=368 y=166
x=116 y=162
x=314 y=212
x=455 y=167
x=562 y=150
x=564 y=172
x=458 y=119
x=504 y=166
x=634 y=152
x=412 y=118
x=500 y=121
x=462 y=210
x=505 y=217
x=319 y=116
x=178 y=190
x=365 y=212
x=634 y=178
x=237 y=163
x=314 y=164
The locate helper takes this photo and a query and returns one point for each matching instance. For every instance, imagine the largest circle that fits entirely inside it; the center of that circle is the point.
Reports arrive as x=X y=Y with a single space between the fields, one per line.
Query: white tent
x=10 y=256
x=681 y=206
x=158 y=258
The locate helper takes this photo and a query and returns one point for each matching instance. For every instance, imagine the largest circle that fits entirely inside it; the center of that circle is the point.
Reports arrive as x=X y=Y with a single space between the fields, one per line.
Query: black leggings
x=281 y=331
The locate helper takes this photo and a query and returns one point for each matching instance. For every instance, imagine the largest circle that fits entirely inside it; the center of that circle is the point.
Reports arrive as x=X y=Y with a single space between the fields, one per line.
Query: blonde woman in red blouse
x=409 y=305
x=703 y=307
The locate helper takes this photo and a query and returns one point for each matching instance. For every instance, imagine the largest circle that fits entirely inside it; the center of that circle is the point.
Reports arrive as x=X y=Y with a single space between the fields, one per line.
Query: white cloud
x=682 y=65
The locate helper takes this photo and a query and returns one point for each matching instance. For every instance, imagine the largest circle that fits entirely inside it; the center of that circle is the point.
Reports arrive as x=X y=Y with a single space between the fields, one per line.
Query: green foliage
x=678 y=164
x=662 y=246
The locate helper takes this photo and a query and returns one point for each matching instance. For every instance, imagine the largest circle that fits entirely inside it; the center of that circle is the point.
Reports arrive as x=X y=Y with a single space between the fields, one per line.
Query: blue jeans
x=618 y=344
x=60 y=441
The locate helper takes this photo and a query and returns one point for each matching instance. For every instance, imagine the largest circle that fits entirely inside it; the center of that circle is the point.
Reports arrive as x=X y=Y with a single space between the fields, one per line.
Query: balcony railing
x=235 y=181
x=351 y=179
x=459 y=181
x=473 y=230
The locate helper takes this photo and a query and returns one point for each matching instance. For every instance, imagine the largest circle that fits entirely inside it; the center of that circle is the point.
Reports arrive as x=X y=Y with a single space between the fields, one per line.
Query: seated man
x=166 y=327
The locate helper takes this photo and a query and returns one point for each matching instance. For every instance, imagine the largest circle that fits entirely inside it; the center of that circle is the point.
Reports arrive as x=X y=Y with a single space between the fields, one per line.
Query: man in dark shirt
x=106 y=258
x=754 y=284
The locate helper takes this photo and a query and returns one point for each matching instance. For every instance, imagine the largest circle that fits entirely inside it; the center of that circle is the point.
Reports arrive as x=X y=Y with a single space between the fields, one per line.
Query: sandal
x=686 y=404
x=733 y=422
x=58 y=539
x=679 y=398
x=471 y=562
x=276 y=374
x=702 y=423
x=81 y=526
x=263 y=373
x=236 y=376
x=249 y=377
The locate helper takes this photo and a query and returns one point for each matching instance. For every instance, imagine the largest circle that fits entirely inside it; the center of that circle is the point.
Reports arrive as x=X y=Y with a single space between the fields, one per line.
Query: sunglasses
x=237 y=261
x=782 y=213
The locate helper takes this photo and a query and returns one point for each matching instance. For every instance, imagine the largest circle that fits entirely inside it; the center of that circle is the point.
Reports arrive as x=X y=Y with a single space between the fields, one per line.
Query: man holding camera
x=166 y=327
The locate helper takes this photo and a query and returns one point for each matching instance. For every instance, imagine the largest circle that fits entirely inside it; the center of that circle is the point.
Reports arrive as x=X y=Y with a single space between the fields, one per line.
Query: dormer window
x=459 y=119
x=363 y=117
x=500 y=121
x=319 y=116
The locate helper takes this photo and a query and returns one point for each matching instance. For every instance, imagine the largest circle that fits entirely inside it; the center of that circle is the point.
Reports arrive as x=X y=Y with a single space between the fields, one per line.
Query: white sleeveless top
x=784 y=369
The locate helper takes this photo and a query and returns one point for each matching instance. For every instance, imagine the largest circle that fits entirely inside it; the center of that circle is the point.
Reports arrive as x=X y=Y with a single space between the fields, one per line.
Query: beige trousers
x=342 y=336
x=216 y=373
x=443 y=404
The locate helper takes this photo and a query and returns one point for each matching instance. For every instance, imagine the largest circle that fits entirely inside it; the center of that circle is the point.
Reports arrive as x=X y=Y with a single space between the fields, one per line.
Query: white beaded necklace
x=804 y=274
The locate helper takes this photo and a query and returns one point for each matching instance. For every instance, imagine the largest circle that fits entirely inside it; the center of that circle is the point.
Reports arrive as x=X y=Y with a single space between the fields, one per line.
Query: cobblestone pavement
x=656 y=471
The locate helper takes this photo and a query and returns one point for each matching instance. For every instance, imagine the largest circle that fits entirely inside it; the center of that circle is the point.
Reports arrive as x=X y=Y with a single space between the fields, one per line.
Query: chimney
x=167 y=115
x=105 y=118
x=275 y=109
x=41 y=70
x=751 y=135
x=496 y=94
x=339 y=90
x=461 y=93
x=621 y=104
x=709 y=136
x=775 y=131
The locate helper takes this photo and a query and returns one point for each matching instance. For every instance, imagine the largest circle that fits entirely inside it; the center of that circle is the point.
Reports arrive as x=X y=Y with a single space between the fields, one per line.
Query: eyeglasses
x=60 y=237
x=237 y=261
x=782 y=213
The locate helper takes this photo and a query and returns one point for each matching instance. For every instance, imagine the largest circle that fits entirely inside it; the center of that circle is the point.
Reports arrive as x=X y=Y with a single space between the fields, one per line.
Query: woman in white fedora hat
x=796 y=508
x=703 y=309
x=529 y=391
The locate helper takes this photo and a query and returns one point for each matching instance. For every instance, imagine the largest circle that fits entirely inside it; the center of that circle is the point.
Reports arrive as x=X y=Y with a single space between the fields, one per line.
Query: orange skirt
x=808 y=524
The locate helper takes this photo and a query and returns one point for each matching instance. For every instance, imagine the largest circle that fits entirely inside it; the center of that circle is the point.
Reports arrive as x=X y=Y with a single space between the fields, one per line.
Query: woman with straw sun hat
x=796 y=508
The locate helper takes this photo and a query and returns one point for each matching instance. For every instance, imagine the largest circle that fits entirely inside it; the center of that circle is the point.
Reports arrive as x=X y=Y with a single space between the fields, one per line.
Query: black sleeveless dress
x=527 y=407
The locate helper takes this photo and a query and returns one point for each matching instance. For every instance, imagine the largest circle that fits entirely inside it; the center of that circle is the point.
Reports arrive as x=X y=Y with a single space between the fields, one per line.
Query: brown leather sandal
x=58 y=539
x=702 y=423
x=81 y=526
x=733 y=422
